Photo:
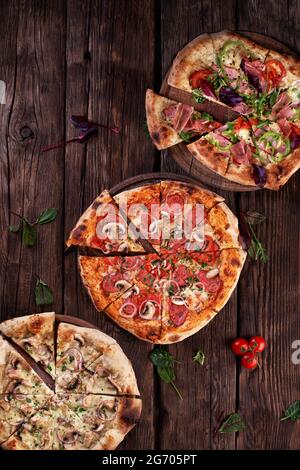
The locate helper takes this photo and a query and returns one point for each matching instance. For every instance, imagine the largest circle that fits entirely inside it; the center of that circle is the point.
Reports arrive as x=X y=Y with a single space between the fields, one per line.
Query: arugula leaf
x=197 y=96
x=232 y=423
x=47 y=216
x=164 y=361
x=185 y=136
x=292 y=412
x=14 y=228
x=199 y=357
x=254 y=217
x=29 y=233
x=250 y=241
x=206 y=116
x=43 y=294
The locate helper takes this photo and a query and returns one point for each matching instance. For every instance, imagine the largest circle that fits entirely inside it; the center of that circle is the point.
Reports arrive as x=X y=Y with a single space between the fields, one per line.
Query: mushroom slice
x=177 y=300
x=212 y=273
x=122 y=285
x=148 y=309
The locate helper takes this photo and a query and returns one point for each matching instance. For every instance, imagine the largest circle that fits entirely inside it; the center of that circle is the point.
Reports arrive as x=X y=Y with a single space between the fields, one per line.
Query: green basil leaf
x=43 y=294
x=167 y=374
x=160 y=357
x=199 y=357
x=185 y=136
x=14 y=228
x=292 y=412
x=47 y=216
x=233 y=423
x=29 y=233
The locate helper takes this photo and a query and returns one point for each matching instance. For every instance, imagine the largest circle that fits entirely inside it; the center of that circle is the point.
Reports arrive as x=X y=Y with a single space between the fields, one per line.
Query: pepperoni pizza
x=194 y=262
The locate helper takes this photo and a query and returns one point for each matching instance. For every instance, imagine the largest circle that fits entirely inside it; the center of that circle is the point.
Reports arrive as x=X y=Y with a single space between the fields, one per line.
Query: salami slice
x=109 y=282
x=178 y=313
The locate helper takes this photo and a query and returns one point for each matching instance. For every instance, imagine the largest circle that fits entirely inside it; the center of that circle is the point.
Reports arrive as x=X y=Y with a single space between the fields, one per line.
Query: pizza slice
x=16 y=375
x=88 y=361
x=266 y=154
x=183 y=210
x=16 y=410
x=199 y=285
x=230 y=151
x=35 y=334
x=170 y=122
x=142 y=207
x=102 y=226
x=34 y=434
x=111 y=418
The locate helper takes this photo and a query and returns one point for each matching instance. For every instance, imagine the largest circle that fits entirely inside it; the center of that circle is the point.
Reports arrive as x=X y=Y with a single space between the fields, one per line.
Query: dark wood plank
x=33 y=52
x=207 y=390
x=109 y=87
x=269 y=294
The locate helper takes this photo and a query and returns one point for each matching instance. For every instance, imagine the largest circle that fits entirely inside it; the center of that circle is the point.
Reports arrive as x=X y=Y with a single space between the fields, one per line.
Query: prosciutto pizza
x=93 y=403
x=187 y=277
x=261 y=148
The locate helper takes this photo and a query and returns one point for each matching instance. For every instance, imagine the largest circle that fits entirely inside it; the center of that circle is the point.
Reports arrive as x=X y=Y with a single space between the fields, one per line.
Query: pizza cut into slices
x=142 y=206
x=110 y=418
x=183 y=210
x=170 y=122
x=34 y=434
x=198 y=287
x=89 y=361
x=16 y=410
x=16 y=375
x=103 y=227
x=35 y=334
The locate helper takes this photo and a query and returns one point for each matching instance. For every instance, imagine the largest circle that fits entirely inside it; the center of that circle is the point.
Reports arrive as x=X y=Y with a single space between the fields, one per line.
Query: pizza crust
x=161 y=132
x=225 y=226
x=197 y=54
x=35 y=334
x=206 y=153
x=220 y=38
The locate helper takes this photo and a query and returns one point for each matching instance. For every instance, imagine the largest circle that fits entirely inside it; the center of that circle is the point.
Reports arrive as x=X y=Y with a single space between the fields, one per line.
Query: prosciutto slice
x=285 y=127
x=241 y=153
x=182 y=116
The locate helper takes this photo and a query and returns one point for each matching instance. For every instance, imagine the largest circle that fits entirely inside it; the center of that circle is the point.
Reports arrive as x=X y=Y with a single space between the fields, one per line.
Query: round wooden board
x=181 y=154
x=74 y=321
x=151 y=178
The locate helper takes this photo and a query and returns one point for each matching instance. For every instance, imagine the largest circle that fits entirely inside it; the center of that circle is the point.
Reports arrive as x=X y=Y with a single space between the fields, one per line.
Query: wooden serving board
x=180 y=152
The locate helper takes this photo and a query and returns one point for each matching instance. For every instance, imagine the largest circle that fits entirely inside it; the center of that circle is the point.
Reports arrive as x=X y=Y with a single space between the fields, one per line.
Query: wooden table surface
x=98 y=57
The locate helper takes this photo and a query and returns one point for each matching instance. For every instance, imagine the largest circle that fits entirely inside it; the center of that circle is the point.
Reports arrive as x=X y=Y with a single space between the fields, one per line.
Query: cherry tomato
x=249 y=361
x=257 y=344
x=241 y=123
x=274 y=72
x=199 y=75
x=239 y=346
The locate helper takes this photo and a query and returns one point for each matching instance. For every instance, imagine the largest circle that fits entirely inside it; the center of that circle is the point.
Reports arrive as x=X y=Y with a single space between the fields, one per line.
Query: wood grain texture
x=273 y=288
x=107 y=76
x=97 y=58
x=35 y=78
x=207 y=391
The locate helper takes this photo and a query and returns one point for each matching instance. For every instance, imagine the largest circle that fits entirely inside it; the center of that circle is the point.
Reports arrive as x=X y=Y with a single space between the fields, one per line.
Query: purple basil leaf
x=259 y=175
x=245 y=237
x=252 y=77
x=86 y=135
x=207 y=88
x=80 y=122
x=228 y=96
x=295 y=141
